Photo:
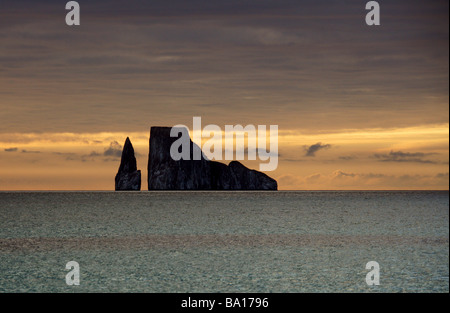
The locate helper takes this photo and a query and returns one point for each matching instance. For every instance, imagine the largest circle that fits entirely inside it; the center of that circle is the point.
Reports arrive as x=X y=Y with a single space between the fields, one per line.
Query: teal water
x=224 y=241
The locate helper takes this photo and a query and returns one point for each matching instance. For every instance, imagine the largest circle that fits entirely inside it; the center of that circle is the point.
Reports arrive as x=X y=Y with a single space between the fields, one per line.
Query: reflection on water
x=224 y=241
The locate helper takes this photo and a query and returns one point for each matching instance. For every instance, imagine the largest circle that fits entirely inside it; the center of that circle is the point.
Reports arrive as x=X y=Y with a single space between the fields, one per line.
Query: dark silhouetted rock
x=128 y=177
x=164 y=173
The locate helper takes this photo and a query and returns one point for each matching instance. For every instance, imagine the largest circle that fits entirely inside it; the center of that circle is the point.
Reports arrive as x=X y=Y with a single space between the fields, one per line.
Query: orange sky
x=354 y=159
x=370 y=104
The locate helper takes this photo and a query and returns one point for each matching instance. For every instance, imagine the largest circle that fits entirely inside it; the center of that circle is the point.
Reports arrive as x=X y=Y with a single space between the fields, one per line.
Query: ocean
x=279 y=242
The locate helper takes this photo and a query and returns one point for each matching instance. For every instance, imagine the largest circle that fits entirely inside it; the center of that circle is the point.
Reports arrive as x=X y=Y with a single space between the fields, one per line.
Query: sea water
x=282 y=241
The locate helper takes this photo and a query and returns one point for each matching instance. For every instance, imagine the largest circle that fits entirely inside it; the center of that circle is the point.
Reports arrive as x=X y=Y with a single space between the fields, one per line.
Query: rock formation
x=128 y=177
x=164 y=173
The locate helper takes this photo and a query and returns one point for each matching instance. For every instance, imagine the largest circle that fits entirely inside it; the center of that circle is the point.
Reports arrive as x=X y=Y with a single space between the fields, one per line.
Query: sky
x=358 y=107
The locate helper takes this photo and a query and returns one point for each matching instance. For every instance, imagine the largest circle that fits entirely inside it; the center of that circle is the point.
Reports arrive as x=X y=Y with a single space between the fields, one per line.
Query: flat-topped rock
x=164 y=173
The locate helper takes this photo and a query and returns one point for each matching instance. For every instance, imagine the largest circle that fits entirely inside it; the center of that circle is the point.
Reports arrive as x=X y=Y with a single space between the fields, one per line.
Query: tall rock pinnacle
x=128 y=177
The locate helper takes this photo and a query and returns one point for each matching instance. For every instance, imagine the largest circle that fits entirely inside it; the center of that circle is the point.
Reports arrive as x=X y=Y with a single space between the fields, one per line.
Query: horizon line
x=210 y=190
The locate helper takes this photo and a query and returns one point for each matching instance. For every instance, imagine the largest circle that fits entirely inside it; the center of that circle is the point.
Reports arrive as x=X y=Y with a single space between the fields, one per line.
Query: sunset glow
x=357 y=107
x=45 y=161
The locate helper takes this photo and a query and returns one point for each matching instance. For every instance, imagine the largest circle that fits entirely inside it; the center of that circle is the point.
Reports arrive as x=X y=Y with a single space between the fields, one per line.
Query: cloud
x=342 y=179
x=311 y=179
x=30 y=151
x=90 y=156
x=399 y=156
x=290 y=180
x=311 y=150
x=283 y=59
x=345 y=180
x=111 y=152
x=347 y=157
x=114 y=150
x=366 y=176
x=69 y=156
x=339 y=174
x=11 y=149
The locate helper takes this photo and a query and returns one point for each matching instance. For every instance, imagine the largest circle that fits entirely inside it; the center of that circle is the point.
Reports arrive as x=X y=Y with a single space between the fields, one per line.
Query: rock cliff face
x=166 y=174
x=128 y=177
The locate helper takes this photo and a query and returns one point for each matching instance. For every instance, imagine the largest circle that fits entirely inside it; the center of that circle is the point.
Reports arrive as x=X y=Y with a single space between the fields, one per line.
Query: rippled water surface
x=224 y=241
